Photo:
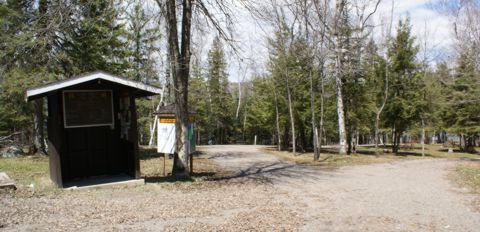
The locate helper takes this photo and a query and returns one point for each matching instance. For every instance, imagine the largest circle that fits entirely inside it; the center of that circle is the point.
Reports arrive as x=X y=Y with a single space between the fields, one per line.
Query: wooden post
x=134 y=135
x=164 y=157
x=191 y=163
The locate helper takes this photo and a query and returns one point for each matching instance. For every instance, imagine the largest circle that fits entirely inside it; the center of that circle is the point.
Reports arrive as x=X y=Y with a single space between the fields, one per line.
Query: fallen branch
x=8 y=136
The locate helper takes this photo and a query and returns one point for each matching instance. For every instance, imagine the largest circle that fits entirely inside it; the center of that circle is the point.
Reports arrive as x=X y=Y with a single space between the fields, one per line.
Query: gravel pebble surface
x=261 y=193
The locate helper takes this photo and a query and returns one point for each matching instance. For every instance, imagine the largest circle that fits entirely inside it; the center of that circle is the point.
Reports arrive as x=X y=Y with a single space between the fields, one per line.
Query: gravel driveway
x=266 y=194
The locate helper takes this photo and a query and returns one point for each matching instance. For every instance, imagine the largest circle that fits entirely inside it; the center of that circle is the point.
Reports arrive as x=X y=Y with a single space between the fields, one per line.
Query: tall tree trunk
x=380 y=110
x=277 y=120
x=339 y=7
x=155 y=119
x=237 y=113
x=355 y=142
x=239 y=101
x=385 y=93
x=470 y=143
x=462 y=148
x=423 y=137
x=290 y=110
x=349 y=140
x=340 y=111
x=38 y=133
x=244 y=122
x=396 y=141
x=316 y=153
x=180 y=65
x=322 y=97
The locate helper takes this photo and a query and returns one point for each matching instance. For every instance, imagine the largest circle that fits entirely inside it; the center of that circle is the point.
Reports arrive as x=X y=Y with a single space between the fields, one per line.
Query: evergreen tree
x=142 y=35
x=462 y=114
x=28 y=55
x=401 y=109
x=95 y=39
x=199 y=101
x=220 y=99
x=375 y=67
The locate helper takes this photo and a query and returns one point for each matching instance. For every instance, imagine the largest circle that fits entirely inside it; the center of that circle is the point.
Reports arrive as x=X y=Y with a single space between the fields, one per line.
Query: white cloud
x=251 y=35
x=427 y=24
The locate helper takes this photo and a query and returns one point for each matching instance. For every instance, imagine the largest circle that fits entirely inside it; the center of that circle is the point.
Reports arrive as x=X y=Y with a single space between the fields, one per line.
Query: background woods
x=331 y=75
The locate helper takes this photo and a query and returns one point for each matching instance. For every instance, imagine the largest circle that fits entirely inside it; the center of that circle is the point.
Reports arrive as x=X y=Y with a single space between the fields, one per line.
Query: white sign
x=166 y=138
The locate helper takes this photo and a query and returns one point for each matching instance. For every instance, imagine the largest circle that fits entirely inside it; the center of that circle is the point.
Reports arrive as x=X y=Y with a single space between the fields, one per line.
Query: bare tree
x=179 y=45
x=380 y=108
x=338 y=74
x=320 y=51
x=465 y=18
x=180 y=69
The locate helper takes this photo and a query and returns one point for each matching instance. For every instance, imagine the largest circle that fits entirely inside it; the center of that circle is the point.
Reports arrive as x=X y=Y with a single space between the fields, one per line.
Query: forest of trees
x=332 y=76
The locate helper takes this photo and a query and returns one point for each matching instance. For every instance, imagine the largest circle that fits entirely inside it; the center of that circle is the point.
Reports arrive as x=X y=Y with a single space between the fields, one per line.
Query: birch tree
x=338 y=74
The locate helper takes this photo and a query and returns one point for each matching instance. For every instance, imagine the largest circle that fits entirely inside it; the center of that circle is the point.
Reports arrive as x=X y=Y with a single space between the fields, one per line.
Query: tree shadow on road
x=269 y=172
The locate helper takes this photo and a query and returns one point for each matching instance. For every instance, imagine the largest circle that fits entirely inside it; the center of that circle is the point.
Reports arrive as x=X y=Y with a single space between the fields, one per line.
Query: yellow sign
x=173 y=120
x=167 y=120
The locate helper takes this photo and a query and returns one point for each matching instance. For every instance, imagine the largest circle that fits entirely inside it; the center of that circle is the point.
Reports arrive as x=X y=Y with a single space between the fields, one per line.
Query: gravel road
x=263 y=193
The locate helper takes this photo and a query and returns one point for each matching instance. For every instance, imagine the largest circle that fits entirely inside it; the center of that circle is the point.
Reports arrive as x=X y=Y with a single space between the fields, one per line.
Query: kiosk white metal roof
x=141 y=88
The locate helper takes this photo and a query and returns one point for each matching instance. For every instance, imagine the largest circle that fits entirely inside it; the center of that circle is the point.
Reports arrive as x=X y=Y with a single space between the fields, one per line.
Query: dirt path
x=400 y=196
x=263 y=194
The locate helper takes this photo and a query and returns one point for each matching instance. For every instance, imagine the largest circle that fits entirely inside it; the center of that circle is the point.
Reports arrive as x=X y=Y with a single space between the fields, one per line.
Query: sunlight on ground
x=366 y=155
x=468 y=174
x=31 y=172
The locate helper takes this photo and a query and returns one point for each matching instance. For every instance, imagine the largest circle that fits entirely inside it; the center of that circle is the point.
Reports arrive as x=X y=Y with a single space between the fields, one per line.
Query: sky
x=251 y=35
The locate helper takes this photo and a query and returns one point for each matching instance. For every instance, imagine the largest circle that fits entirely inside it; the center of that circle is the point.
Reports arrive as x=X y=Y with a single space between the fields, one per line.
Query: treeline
x=43 y=41
x=332 y=76
x=331 y=80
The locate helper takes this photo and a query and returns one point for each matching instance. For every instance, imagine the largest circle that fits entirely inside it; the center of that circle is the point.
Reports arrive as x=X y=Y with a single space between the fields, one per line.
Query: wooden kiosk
x=166 y=132
x=92 y=127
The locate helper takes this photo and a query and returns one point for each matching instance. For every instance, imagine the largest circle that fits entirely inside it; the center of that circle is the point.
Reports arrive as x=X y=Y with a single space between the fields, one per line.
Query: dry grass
x=26 y=168
x=152 y=166
x=468 y=174
x=366 y=155
x=431 y=150
x=31 y=173
x=330 y=160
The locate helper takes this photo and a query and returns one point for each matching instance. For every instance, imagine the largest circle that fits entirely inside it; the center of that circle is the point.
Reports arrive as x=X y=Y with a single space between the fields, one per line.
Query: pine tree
x=402 y=108
x=462 y=115
x=142 y=35
x=220 y=97
x=198 y=87
x=376 y=78
x=28 y=56
x=95 y=39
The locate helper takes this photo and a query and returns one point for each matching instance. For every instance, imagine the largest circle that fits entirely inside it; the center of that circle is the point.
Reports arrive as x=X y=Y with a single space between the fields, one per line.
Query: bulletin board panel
x=87 y=108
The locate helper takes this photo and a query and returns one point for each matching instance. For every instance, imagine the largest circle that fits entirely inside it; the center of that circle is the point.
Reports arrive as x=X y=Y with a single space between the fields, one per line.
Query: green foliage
x=197 y=97
x=463 y=113
x=142 y=36
x=95 y=39
x=290 y=66
x=38 y=46
x=260 y=110
x=210 y=95
x=24 y=62
x=220 y=100
x=405 y=99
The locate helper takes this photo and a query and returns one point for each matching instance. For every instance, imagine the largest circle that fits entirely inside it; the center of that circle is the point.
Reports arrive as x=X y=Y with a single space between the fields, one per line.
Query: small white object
x=166 y=138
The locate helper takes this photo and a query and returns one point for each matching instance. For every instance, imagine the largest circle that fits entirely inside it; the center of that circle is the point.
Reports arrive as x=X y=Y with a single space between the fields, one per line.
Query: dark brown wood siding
x=91 y=151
